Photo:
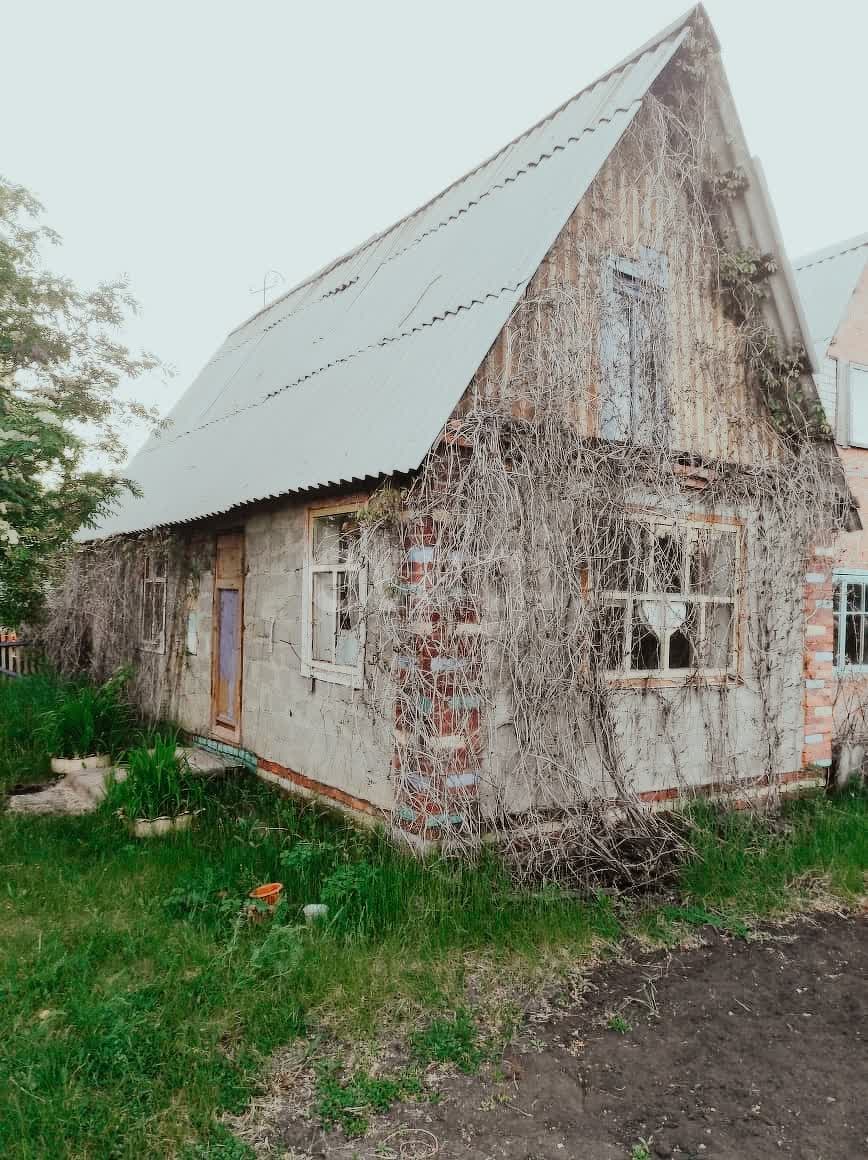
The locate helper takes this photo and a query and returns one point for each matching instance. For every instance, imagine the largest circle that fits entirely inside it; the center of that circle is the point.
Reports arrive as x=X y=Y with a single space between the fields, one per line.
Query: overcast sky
x=197 y=146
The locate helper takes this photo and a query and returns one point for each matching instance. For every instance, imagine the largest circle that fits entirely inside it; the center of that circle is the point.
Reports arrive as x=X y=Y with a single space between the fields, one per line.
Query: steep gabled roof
x=826 y=281
x=354 y=373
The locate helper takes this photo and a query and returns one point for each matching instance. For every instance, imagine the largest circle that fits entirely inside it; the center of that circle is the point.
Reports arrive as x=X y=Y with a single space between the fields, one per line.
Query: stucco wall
x=694 y=732
x=320 y=730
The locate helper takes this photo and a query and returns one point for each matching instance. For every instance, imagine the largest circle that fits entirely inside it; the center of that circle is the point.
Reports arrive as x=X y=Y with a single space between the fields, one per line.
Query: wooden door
x=227 y=637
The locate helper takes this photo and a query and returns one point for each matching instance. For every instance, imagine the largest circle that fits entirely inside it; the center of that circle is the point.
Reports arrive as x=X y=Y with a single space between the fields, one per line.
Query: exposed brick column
x=437 y=707
x=819 y=659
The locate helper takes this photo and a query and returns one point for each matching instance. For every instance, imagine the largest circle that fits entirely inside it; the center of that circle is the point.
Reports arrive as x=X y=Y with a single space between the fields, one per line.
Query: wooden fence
x=16 y=655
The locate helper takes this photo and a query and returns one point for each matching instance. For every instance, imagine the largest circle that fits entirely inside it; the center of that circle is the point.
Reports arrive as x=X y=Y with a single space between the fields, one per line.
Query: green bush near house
x=158 y=783
x=84 y=719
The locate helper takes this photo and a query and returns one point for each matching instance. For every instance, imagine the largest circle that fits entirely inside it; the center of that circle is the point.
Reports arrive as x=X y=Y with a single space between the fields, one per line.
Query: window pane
x=859 y=405
x=683 y=641
x=855 y=597
x=716 y=648
x=609 y=637
x=348 y=638
x=325 y=620
x=616 y=355
x=668 y=564
x=333 y=537
x=618 y=556
x=648 y=415
x=153 y=606
x=645 y=651
x=852 y=640
x=712 y=567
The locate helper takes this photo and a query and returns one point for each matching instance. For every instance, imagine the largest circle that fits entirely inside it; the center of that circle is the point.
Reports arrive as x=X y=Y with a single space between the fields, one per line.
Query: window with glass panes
x=670 y=598
x=336 y=589
x=851 y=620
x=153 y=635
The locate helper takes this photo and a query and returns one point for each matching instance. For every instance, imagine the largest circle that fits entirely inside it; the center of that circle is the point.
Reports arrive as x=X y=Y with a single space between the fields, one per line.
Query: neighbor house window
x=851 y=620
x=669 y=598
x=634 y=348
x=858 y=389
x=335 y=583
x=154 y=604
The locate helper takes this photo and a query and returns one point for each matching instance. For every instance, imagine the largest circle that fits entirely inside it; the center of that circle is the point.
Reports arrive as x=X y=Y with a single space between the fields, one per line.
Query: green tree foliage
x=61 y=412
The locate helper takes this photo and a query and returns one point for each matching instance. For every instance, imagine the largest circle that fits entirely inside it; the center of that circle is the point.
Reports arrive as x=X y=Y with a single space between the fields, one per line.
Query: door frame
x=228 y=574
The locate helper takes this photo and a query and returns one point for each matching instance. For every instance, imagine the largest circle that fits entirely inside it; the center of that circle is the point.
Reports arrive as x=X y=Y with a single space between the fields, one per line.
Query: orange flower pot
x=269 y=893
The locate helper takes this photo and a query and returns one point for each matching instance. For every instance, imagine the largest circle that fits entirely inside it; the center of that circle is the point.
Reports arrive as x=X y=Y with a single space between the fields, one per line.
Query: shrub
x=85 y=719
x=159 y=783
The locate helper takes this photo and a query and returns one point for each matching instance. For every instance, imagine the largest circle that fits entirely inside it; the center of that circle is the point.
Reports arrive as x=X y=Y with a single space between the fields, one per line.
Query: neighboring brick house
x=833 y=285
x=553 y=322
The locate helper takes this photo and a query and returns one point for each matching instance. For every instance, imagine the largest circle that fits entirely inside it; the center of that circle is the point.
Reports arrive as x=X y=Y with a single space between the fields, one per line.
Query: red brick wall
x=819 y=660
x=438 y=702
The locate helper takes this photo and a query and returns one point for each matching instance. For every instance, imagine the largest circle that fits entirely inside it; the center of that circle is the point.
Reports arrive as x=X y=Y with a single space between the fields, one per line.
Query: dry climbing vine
x=523 y=517
x=94 y=624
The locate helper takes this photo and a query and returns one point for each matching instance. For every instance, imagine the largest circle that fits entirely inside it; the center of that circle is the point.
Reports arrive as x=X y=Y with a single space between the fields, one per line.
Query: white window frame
x=860 y=369
x=351 y=676
x=158 y=584
x=840 y=577
x=686 y=527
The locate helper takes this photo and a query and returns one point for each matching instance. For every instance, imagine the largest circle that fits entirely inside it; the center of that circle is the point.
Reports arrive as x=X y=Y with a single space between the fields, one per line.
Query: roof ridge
x=696 y=11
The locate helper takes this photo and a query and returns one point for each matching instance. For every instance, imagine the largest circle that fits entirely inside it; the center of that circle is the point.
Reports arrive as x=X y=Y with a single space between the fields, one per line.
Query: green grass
x=136 y=1001
x=620 y=1024
x=23 y=703
x=348 y=1102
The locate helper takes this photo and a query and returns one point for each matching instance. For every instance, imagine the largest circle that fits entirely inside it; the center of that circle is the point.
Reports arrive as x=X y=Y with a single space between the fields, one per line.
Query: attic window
x=153 y=634
x=634 y=349
x=670 y=599
x=335 y=583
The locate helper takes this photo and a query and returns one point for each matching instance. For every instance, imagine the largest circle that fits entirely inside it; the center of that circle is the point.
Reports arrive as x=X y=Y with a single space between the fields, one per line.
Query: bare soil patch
x=734 y=1050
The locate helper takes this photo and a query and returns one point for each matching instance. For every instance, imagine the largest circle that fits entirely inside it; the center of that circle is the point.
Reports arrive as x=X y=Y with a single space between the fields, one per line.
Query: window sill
x=349 y=677
x=665 y=681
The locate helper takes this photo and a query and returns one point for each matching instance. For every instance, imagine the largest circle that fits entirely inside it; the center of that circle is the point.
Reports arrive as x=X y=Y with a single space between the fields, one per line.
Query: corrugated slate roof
x=826 y=280
x=354 y=372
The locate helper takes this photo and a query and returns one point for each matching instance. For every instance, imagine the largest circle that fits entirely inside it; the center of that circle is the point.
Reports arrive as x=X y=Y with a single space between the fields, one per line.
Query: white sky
x=197 y=144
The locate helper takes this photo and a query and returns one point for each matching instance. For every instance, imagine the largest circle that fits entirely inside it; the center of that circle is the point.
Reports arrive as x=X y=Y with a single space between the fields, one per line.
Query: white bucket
x=315 y=912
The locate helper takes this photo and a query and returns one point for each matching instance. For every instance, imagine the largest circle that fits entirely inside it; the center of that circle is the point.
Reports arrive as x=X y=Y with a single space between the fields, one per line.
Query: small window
x=669 y=598
x=858 y=379
x=634 y=350
x=154 y=604
x=335 y=593
x=851 y=620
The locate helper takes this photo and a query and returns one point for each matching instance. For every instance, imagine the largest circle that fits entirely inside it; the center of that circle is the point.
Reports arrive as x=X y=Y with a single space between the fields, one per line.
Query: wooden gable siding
x=714 y=411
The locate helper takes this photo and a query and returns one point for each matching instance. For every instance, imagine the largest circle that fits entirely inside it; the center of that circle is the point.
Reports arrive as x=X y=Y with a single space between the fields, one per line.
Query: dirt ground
x=730 y=1051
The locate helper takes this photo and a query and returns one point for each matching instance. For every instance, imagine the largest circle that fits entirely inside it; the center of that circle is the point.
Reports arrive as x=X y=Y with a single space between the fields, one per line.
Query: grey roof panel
x=353 y=373
x=826 y=280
